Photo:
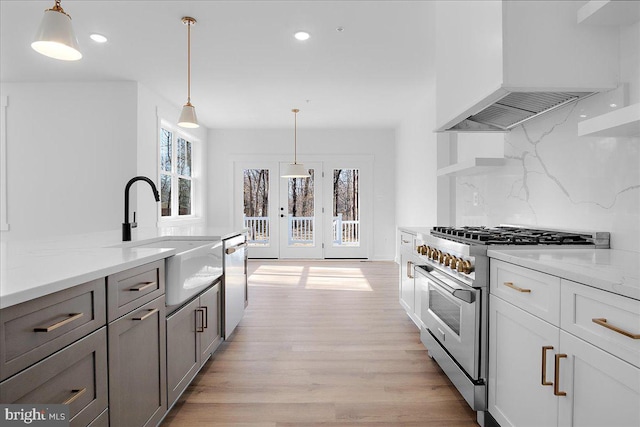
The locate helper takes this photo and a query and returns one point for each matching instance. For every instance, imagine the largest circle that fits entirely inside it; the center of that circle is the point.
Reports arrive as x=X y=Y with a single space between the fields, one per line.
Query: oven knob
x=444 y=258
x=427 y=251
x=424 y=250
x=453 y=261
x=435 y=255
x=463 y=266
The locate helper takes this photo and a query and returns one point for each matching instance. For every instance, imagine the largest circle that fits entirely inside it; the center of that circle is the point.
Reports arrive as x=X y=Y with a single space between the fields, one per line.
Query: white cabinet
x=409 y=294
x=601 y=390
x=565 y=370
x=519 y=345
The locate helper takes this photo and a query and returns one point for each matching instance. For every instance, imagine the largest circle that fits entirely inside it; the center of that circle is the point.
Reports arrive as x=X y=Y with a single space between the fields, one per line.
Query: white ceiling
x=247 y=69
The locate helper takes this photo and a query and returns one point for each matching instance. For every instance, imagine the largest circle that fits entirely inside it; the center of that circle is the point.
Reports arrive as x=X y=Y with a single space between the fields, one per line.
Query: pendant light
x=55 y=37
x=188 y=117
x=295 y=169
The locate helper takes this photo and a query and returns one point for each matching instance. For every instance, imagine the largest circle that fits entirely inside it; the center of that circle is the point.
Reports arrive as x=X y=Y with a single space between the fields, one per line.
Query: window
x=176 y=174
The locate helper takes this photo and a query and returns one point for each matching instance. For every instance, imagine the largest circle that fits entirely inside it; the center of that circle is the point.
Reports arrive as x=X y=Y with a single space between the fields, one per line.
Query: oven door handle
x=465 y=295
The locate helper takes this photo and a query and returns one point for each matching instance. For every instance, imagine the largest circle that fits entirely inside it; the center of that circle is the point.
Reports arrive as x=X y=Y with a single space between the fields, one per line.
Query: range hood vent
x=515 y=108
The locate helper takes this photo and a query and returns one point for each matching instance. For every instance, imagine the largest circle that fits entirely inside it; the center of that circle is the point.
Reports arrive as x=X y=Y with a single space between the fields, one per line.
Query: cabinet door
x=602 y=390
x=210 y=333
x=183 y=349
x=516 y=358
x=137 y=368
x=76 y=376
x=406 y=283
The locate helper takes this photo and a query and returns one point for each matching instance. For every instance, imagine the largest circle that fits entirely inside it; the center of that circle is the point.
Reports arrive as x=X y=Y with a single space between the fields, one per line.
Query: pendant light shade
x=295 y=169
x=55 y=37
x=188 y=117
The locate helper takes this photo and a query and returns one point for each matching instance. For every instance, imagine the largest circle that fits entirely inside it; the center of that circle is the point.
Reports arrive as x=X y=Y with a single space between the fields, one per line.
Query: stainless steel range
x=453 y=282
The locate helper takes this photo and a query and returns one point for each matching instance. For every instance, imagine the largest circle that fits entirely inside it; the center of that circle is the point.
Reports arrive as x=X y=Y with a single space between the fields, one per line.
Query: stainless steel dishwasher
x=235 y=282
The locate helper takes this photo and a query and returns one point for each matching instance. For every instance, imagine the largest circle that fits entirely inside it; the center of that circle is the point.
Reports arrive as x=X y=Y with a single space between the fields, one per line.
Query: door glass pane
x=165 y=150
x=165 y=195
x=346 y=207
x=445 y=310
x=184 y=157
x=256 y=206
x=184 y=196
x=301 y=220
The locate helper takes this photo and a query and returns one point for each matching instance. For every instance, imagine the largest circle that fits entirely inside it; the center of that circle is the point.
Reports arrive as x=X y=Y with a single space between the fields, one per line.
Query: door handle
x=556 y=376
x=544 y=364
x=281 y=215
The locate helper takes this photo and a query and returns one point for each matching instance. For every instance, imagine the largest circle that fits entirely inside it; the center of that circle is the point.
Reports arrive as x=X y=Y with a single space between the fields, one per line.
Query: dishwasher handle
x=235 y=248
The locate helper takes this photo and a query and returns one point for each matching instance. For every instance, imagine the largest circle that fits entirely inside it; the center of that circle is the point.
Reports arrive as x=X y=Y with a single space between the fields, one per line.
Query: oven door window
x=449 y=312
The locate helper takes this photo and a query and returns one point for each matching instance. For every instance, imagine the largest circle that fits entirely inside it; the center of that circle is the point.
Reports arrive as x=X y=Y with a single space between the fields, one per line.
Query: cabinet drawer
x=535 y=292
x=615 y=316
x=76 y=375
x=33 y=330
x=407 y=240
x=132 y=288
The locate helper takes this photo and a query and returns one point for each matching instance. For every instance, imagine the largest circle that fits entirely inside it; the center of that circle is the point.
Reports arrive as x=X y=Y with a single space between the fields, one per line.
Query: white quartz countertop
x=415 y=229
x=607 y=269
x=33 y=268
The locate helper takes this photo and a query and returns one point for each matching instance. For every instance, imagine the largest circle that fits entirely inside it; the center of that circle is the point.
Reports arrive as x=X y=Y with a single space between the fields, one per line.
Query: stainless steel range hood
x=512 y=109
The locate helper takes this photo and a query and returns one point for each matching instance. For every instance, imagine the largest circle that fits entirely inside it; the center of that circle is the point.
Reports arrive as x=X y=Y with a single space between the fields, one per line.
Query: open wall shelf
x=472 y=167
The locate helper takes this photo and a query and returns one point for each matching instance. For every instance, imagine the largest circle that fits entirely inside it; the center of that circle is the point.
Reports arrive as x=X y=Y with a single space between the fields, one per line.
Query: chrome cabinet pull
x=544 y=364
x=556 y=376
x=75 y=394
x=603 y=322
x=71 y=318
x=142 y=286
x=149 y=314
x=409 y=264
x=517 y=288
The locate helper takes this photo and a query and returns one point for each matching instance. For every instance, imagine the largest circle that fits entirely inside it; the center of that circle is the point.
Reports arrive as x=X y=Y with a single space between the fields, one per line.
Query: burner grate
x=509 y=235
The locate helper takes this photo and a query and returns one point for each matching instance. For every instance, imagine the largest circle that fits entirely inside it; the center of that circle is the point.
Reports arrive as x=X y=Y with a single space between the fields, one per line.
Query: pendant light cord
x=295 y=137
x=189 y=63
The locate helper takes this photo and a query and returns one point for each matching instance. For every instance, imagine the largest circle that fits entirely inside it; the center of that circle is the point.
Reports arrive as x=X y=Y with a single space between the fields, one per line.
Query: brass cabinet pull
x=409 y=264
x=149 y=314
x=556 y=376
x=517 y=288
x=199 y=325
x=404 y=241
x=71 y=318
x=142 y=286
x=75 y=394
x=603 y=322
x=544 y=364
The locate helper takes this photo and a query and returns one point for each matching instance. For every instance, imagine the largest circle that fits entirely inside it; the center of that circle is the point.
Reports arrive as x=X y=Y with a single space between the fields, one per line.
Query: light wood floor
x=322 y=343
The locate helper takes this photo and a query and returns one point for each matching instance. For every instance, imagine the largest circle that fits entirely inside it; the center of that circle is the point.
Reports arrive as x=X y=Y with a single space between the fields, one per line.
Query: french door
x=327 y=215
x=300 y=214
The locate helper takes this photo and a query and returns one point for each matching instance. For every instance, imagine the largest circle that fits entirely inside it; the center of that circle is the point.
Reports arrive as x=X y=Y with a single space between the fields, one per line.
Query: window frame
x=176 y=134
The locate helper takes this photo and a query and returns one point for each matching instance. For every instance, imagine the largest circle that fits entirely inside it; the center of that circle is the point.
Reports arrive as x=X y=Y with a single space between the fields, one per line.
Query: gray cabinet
x=33 y=330
x=193 y=333
x=76 y=376
x=131 y=288
x=137 y=368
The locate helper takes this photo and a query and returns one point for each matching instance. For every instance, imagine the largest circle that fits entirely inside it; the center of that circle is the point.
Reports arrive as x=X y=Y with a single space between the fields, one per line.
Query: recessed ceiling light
x=98 y=38
x=302 y=35
x=340 y=29
x=583 y=115
x=613 y=105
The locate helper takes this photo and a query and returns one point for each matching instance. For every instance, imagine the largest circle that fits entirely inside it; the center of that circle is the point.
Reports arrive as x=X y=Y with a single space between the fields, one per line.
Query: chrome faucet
x=126 y=225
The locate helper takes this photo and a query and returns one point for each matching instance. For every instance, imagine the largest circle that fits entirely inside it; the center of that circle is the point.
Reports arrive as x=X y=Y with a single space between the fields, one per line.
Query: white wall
x=151 y=109
x=555 y=178
x=71 y=147
x=416 y=164
x=225 y=145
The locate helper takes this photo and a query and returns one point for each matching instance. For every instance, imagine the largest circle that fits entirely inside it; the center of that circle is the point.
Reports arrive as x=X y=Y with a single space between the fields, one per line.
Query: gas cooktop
x=520 y=235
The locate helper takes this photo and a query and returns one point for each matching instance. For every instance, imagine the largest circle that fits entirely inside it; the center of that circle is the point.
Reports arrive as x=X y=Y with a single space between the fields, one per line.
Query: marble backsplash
x=554 y=178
